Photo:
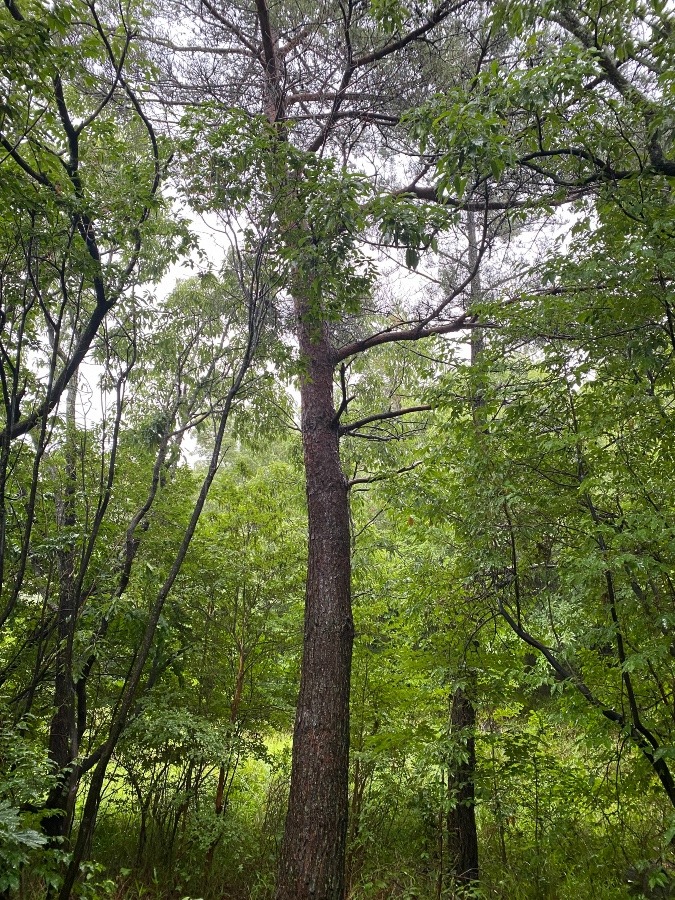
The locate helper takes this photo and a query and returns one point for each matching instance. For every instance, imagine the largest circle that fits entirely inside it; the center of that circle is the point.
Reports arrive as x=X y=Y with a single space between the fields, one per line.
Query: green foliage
x=26 y=776
x=390 y=14
x=541 y=496
x=413 y=226
x=555 y=117
x=316 y=207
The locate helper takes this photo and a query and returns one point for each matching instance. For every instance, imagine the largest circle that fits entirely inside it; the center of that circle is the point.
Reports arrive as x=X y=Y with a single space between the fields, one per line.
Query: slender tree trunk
x=352 y=861
x=461 y=819
x=363 y=773
x=462 y=833
x=234 y=712
x=313 y=849
x=63 y=731
x=222 y=771
x=441 y=847
x=105 y=751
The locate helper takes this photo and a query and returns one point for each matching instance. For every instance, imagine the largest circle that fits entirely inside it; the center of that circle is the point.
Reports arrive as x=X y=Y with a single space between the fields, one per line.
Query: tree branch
x=383 y=476
x=465 y=320
x=381 y=417
x=442 y=11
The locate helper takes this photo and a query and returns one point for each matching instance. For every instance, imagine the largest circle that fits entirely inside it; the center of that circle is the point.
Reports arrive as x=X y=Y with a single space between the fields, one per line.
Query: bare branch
x=441 y=12
x=381 y=417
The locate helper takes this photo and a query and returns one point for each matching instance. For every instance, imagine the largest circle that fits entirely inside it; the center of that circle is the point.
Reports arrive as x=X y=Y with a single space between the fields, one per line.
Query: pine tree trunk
x=313 y=850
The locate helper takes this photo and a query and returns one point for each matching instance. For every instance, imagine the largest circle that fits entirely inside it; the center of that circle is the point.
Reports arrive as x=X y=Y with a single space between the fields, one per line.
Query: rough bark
x=313 y=849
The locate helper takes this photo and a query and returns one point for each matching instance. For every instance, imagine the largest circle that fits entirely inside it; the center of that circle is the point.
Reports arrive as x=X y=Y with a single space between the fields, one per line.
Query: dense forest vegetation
x=337 y=440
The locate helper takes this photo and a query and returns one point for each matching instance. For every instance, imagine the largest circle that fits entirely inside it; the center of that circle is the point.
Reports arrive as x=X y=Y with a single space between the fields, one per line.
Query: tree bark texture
x=462 y=833
x=313 y=849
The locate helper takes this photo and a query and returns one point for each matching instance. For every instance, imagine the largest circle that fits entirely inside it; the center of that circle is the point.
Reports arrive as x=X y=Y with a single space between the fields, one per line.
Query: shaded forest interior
x=337 y=440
